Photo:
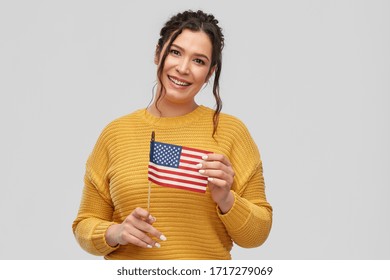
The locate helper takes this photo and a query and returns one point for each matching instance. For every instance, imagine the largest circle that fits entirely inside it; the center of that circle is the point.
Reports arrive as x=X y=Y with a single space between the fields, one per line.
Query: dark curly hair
x=194 y=21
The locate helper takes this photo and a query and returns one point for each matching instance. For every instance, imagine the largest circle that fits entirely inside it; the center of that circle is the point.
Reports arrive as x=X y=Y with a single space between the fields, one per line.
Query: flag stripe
x=194 y=163
x=195 y=151
x=184 y=167
x=191 y=155
x=176 y=178
x=177 y=185
x=177 y=174
x=182 y=170
x=189 y=165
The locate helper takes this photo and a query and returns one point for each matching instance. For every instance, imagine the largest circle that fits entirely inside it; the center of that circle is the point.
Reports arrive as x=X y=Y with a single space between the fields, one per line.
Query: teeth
x=179 y=82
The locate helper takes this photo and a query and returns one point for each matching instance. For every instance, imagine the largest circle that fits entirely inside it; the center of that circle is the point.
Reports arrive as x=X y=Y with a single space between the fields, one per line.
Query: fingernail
x=201 y=171
x=149 y=246
x=157 y=245
x=199 y=165
x=162 y=237
x=205 y=157
x=210 y=179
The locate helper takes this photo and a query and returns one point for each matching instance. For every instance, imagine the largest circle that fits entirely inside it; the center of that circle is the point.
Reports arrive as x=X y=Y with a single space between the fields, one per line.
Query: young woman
x=115 y=219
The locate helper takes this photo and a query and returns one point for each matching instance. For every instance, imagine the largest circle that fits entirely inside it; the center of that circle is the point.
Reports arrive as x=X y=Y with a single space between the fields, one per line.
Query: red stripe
x=188 y=168
x=181 y=167
x=179 y=180
x=177 y=187
x=189 y=161
x=177 y=173
x=196 y=150
x=190 y=155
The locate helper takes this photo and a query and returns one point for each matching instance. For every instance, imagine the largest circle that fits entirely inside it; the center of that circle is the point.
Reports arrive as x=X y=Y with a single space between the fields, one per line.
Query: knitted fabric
x=116 y=182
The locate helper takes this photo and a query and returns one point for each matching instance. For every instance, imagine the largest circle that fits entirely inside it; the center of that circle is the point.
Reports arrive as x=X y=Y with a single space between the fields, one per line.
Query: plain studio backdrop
x=310 y=79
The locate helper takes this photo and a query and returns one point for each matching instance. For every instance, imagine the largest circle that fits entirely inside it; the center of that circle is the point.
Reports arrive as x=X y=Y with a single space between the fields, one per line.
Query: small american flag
x=174 y=166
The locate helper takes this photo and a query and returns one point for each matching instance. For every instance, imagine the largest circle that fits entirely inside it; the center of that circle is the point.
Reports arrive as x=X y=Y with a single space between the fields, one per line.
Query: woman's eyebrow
x=196 y=54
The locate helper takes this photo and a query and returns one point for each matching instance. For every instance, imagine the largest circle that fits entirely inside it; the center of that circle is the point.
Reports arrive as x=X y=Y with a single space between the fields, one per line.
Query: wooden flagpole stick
x=150 y=159
x=149 y=191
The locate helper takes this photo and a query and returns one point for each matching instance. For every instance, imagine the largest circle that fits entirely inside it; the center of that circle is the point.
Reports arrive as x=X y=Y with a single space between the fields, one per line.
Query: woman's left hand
x=220 y=175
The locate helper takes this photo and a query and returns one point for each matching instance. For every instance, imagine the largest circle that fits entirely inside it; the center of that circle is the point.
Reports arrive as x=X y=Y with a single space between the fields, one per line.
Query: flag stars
x=166 y=154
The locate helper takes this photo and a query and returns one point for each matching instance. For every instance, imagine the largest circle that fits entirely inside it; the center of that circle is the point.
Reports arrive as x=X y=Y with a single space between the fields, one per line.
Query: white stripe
x=179 y=184
x=178 y=176
x=187 y=165
x=199 y=154
x=177 y=169
x=197 y=160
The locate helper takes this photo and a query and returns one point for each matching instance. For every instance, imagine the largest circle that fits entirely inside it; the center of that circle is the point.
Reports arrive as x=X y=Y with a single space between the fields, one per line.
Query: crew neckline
x=167 y=122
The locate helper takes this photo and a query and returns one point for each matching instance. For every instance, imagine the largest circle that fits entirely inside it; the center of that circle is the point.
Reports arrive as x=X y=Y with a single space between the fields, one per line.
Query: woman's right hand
x=136 y=229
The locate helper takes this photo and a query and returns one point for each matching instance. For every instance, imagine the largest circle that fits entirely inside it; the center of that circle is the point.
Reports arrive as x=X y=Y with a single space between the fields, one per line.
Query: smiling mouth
x=178 y=82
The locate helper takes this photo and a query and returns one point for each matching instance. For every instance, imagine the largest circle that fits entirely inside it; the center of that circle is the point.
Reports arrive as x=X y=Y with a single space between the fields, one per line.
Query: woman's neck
x=167 y=109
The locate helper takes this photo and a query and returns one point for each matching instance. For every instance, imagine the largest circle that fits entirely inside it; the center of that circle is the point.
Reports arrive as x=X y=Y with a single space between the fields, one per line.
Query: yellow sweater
x=116 y=182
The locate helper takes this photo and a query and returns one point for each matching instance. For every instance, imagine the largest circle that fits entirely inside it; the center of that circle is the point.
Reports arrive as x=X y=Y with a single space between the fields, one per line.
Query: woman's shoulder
x=233 y=132
x=224 y=118
x=231 y=122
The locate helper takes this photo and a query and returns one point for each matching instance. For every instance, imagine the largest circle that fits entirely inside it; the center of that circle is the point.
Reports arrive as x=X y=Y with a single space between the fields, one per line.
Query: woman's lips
x=178 y=81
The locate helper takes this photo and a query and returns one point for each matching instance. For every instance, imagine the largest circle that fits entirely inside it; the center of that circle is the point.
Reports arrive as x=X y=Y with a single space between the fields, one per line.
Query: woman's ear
x=211 y=72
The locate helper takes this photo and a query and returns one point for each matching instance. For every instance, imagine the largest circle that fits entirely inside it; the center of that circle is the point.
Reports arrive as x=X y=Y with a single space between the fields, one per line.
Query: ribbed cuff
x=237 y=216
x=99 y=240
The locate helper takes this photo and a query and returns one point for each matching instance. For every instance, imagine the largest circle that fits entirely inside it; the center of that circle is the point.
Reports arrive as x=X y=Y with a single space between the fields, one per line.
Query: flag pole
x=150 y=183
x=149 y=191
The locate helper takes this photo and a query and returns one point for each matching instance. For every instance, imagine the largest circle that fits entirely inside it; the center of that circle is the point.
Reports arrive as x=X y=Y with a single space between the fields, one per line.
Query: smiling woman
x=206 y=173
x=187 y=68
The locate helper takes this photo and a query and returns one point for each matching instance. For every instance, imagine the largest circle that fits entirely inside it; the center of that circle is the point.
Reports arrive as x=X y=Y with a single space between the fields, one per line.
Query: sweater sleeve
x=96 y=208
x=249 y=221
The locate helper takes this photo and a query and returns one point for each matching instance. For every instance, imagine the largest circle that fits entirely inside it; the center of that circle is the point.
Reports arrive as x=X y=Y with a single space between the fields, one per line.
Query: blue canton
x=166 y=154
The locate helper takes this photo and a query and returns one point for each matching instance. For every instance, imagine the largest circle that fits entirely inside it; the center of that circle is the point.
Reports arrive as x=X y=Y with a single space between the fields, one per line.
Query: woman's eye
x=175 y=52
x=199 y=61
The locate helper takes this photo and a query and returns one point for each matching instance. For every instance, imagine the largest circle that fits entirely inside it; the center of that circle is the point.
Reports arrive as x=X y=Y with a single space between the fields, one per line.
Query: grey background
x=309 y=78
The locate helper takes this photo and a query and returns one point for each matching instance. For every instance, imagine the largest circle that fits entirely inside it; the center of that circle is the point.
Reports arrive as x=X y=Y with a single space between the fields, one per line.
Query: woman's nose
x=183 y=66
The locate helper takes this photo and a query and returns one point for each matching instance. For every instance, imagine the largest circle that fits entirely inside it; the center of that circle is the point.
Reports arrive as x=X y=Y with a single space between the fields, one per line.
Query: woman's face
x=187 y=67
